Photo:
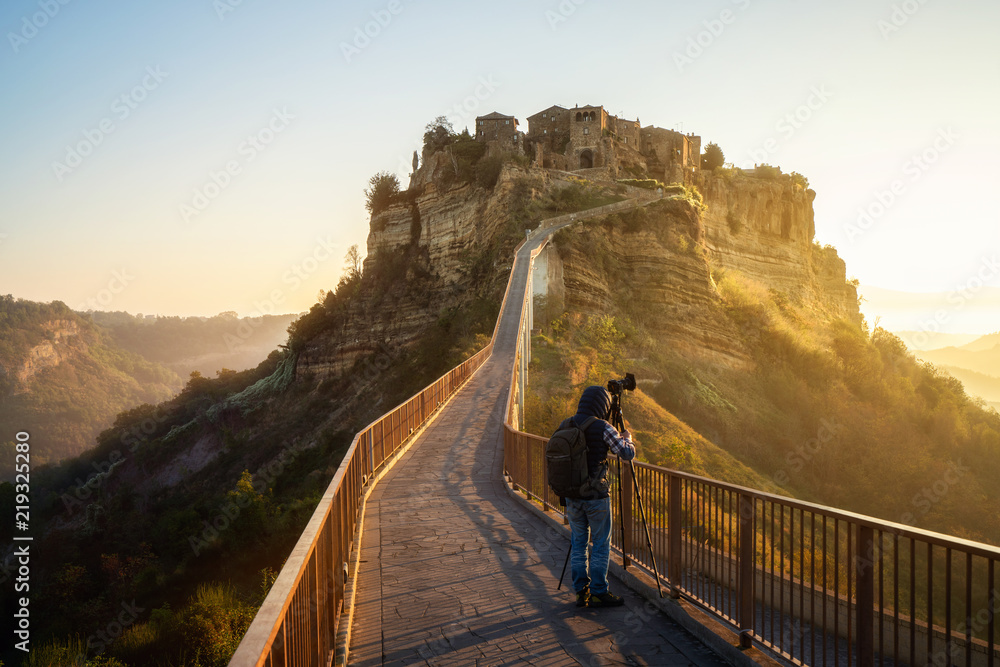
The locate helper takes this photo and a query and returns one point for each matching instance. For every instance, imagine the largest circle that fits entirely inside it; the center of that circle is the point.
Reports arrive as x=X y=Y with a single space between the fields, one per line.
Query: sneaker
x=608 y=599
x=583 y=597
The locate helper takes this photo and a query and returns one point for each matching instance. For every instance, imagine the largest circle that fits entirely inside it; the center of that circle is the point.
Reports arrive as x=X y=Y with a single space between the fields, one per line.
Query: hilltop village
x=589 y=138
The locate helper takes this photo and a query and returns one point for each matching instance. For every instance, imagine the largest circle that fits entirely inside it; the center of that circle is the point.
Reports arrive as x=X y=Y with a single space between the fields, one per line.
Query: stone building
x=677 y=155
x=497 y=127
x=550 y=128
x=588 y=137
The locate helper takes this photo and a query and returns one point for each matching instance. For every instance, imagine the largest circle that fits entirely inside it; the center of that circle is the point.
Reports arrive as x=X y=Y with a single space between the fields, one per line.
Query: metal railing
x=814 y=584
x=297 y=623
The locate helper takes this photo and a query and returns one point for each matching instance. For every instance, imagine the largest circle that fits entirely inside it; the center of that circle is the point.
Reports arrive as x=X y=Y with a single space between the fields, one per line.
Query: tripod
x=618 y=421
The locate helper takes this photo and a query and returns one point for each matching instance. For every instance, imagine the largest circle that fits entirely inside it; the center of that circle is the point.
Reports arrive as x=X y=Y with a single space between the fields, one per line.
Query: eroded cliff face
x=432 y=249
x=63 y=342
x=651 y=267
x=660 y=269
x=764 y=229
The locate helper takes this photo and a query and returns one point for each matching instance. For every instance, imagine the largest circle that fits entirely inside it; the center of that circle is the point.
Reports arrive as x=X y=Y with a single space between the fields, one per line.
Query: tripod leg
x=645 y=526
x=568 y=552
x=621 y=514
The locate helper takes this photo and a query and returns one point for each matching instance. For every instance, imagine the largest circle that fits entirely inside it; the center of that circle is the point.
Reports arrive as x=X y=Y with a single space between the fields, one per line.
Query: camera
x=616 y=386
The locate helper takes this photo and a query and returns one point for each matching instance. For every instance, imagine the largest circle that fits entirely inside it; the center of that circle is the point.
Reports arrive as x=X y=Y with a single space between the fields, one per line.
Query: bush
x=767 y=172
x=488 y=171
x=382 y=187
x=712 y=157
x=438 y=135
x=735 y=223
x=645 y=183
x=800 y=180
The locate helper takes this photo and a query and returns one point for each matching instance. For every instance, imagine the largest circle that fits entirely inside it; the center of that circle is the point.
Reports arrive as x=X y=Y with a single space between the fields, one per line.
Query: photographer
x=590 y=517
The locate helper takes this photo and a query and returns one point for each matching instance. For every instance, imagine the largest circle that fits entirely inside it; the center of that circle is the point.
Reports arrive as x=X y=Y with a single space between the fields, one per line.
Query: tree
x=712 y=157
x=352 y=263
x=382 y=187
x=438 y=135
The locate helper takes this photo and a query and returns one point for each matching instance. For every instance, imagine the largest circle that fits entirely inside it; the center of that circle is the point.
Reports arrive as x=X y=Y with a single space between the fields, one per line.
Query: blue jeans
x=590 y=520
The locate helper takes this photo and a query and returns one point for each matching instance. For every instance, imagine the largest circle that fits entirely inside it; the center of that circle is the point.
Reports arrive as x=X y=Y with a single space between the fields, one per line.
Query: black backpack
x=566 y=458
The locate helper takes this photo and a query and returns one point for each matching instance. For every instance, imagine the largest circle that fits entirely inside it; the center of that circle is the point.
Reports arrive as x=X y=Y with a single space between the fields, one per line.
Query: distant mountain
x=985 y=361
x=928 y=312
x=63 y=380
x=984 y=343
x=920 y=341
x=203 y=344
x=984 y=386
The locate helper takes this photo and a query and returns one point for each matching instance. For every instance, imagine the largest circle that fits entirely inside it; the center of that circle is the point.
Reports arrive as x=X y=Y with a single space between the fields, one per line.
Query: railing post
x=627 y=490
x=745 y=581
x=528 y=481
x=864 y=568
x=674 y=535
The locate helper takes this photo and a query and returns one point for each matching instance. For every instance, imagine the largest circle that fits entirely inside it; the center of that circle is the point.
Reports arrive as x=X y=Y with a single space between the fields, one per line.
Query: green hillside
x=63 y=380
x=203 y=344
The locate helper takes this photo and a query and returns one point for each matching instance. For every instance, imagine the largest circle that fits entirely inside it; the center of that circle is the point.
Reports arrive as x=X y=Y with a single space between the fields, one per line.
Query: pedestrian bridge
x=437 y=543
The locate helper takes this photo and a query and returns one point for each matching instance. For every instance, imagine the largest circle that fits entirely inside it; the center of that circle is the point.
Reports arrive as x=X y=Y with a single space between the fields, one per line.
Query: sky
x=199 y=156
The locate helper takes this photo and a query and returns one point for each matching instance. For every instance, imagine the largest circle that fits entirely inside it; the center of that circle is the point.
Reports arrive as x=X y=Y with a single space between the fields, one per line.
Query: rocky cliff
x=764 y=229
x=434 y=251
x=62 y=342
x=660 y=266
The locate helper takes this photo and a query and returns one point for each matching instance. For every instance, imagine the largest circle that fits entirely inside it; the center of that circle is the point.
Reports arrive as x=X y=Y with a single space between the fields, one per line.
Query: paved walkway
x=455 y=572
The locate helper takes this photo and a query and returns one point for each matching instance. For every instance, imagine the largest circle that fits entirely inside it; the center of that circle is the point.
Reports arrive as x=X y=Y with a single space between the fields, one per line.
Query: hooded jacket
x=596 y=402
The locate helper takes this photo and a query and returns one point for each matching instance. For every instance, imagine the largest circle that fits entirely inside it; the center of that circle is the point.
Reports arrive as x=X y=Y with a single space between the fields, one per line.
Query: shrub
x=646 y=183
x=438 y=135
x=735 y=223
x=382 y=187
x=712 y=157
x=767 y=172
x=800 y=180
x=488 y=171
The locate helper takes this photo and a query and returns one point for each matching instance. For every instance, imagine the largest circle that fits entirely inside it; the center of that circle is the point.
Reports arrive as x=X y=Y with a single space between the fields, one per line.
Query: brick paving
x=455 y=572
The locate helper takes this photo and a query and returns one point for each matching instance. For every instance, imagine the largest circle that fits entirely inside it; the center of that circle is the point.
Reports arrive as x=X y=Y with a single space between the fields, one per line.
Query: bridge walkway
x=455 y=572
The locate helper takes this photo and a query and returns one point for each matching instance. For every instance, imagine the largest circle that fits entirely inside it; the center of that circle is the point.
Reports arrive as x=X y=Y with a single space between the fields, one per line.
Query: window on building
x=545 y=131
x=506 y=122
x=586 y=130
x=544 y=115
